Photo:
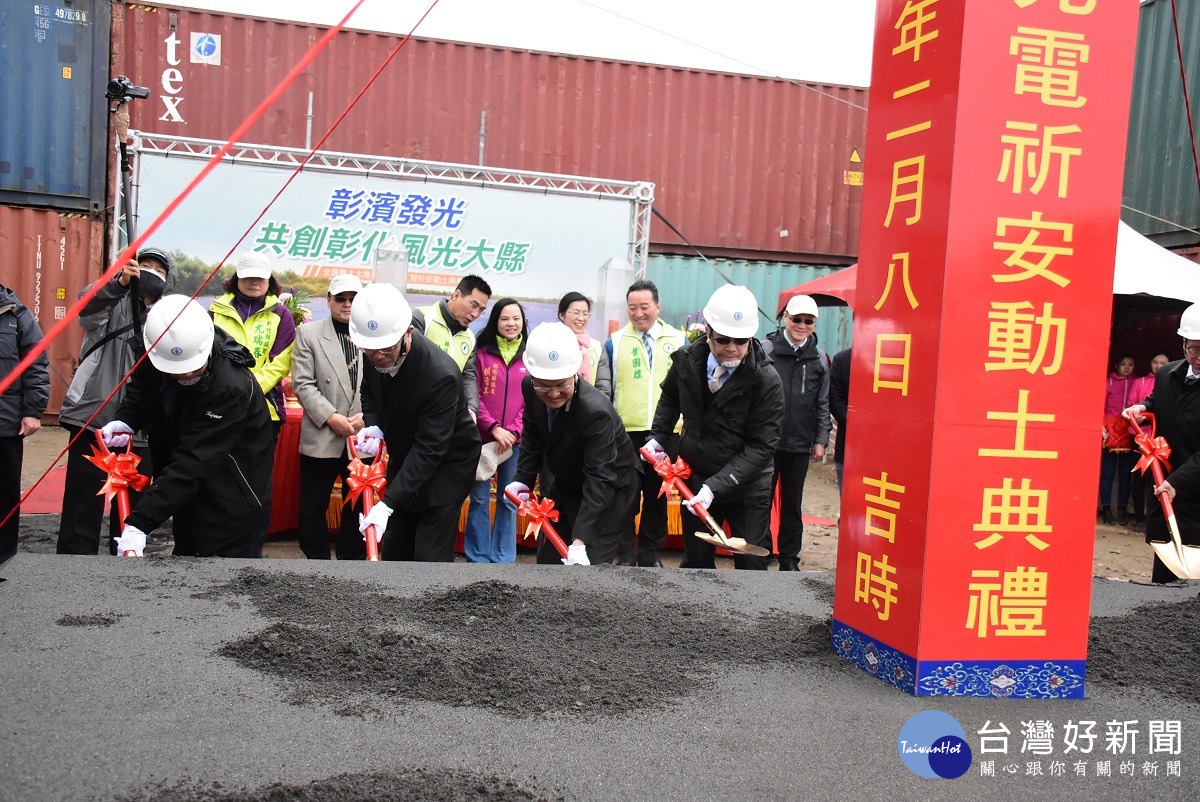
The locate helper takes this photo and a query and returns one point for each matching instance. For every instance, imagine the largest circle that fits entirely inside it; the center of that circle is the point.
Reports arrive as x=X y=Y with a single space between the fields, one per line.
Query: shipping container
x=685 y=284
x=1161 y=195
x=48 y=259
x=53 y=73
x=744 y=166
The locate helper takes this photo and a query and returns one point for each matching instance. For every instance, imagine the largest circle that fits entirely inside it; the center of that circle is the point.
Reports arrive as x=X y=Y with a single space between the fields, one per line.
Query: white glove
x=367 y=441
x=131 y=539
x=377 y=517
x=704 y=498
x=657 y=450
x=116 y=434
x=576 y=555
x=518 y=489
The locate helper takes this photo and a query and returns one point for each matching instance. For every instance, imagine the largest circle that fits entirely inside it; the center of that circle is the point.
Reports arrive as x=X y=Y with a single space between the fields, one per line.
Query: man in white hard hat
x=209 y=431
x=326 y=374
x=1175 y=402
x=803 y=368
x=732 y=406
x=574 y=440
x=412 y=399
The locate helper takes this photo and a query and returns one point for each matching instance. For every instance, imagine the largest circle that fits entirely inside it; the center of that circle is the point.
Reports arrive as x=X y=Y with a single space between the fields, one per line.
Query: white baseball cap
x=344 y=283
x=801 y=305
x=253 y=265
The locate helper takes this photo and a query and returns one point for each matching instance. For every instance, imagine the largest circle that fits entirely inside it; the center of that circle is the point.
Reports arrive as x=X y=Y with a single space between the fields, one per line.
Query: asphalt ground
x=170 y=678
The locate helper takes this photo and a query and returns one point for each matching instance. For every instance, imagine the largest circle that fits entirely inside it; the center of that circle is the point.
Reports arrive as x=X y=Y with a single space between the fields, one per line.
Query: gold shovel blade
x=734 y=544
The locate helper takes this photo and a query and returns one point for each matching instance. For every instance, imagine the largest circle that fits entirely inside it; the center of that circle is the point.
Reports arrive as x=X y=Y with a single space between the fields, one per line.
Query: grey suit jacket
x=322 y=384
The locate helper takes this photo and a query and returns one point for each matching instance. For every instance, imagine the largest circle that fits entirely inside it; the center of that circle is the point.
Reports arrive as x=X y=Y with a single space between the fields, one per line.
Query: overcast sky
x=826 y=41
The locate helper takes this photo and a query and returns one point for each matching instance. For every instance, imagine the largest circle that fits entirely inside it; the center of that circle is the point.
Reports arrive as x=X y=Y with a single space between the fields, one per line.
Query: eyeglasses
x=578 y=313
x=803 y=320
x=561 y=387
x=727 y=340
x=1192 y=350
x=345 y=298
x=475 y=305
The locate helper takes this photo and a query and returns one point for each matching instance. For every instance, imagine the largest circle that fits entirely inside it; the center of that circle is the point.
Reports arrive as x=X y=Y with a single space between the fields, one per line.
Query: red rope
x=1187 y=104
x=255 y=115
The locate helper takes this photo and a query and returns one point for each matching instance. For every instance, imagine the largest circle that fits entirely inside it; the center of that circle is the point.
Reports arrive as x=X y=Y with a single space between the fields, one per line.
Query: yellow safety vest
x=458 y=346
x=637 y=385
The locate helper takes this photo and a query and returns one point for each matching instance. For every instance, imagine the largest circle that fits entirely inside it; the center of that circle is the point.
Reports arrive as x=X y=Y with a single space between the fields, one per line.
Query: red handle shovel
x=368 y=483
x=122 y=470
x=674 y=474
x=539 y=514
x=1184 y=561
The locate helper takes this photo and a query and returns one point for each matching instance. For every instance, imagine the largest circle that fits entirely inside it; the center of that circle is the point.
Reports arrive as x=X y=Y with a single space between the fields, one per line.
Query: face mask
x=191 y=381
x=151 y=285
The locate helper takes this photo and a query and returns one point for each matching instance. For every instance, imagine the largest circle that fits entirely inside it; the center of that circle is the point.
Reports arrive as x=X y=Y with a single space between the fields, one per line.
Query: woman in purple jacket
x=499 y=371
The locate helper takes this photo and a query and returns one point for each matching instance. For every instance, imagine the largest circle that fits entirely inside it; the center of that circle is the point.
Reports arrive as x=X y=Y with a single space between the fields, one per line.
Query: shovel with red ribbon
x=368 y=484
x=674 y=475
x=122 y=470
x=1184 y=561
x=539 y=513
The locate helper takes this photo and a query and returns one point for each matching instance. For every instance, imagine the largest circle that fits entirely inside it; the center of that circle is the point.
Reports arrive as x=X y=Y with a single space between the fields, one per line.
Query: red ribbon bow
x=671 y=473
x=362 y=477
x=122 y=470
x=1154 y=449
x=536 y=512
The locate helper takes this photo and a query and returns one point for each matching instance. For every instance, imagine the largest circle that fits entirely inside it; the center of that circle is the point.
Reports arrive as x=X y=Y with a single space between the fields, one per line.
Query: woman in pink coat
x=1141 y=391
x=1117 y=456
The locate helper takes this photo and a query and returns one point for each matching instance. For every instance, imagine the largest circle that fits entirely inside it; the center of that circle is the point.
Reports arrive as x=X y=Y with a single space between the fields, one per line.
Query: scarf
x=585 y=367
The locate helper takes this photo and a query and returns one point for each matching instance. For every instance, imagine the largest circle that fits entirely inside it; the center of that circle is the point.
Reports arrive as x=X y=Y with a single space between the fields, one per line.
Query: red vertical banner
x=994 y=158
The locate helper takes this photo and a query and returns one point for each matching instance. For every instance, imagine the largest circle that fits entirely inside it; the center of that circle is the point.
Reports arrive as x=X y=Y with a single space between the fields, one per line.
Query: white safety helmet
x=552 y=352
x=732 y=311
x=188 y=339
x=801 y=305
x=380 y=317
x=253 y=264
x=1189 y=323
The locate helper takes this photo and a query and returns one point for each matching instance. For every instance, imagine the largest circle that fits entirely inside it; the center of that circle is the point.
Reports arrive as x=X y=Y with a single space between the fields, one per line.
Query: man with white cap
x=732 y=406
x=207 y=422
x=575 y=441
x=412 y=399
x=803 y=368
x=326 y=373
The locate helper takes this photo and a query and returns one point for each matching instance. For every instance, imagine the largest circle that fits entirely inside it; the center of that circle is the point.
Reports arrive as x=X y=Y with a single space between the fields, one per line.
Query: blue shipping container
x=53 y=72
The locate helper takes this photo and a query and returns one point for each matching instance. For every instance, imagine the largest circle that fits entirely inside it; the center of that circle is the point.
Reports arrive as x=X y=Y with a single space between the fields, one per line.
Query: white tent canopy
x=1145 y=268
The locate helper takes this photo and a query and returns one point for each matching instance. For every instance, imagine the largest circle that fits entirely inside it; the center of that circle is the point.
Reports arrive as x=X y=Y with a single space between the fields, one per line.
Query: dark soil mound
x=416 y=785
x=517 y=650
x=1153 y=648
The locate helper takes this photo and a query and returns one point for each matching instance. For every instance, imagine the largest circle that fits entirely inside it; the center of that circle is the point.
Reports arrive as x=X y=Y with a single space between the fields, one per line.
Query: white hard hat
x=380 y=317
x=732 y=311
x=344 y=283
x=1189 y=323
x=188 y=339
x=552 y=352
x=801 y=305
x=253 y=264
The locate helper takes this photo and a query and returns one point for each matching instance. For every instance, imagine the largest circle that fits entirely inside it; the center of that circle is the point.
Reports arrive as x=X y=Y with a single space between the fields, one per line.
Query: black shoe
x=788 y=565
x=1106 y=514
x=627 y=562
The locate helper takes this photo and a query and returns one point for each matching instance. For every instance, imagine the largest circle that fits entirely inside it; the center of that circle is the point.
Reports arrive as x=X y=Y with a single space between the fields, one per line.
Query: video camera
x=121 y=89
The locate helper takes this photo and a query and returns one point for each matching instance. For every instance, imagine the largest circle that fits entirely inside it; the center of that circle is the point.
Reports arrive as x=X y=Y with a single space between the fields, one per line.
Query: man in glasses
x=445 y=323
x=326 y=373
x=412 y=398
x=1175 y=402
x=732 y=406
x=573 y=439
x=803 y=368
x=638 y=358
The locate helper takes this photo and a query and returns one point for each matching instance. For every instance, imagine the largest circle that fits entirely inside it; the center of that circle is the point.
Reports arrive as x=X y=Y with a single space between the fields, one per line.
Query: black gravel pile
x=1154 y=648
x=519 y=651
x=415 y=785
x=89 y=620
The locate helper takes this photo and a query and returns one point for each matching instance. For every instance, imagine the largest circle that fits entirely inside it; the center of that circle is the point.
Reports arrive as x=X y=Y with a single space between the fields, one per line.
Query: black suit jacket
x=433 y=445
x=586 y=461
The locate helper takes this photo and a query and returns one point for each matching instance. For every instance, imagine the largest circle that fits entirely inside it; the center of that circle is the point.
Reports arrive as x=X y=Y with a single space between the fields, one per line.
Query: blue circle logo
x=737 y=315
x=932 y=744
x=372 y=325
x=206 y=45
x=177 y=351
x=552 y=356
